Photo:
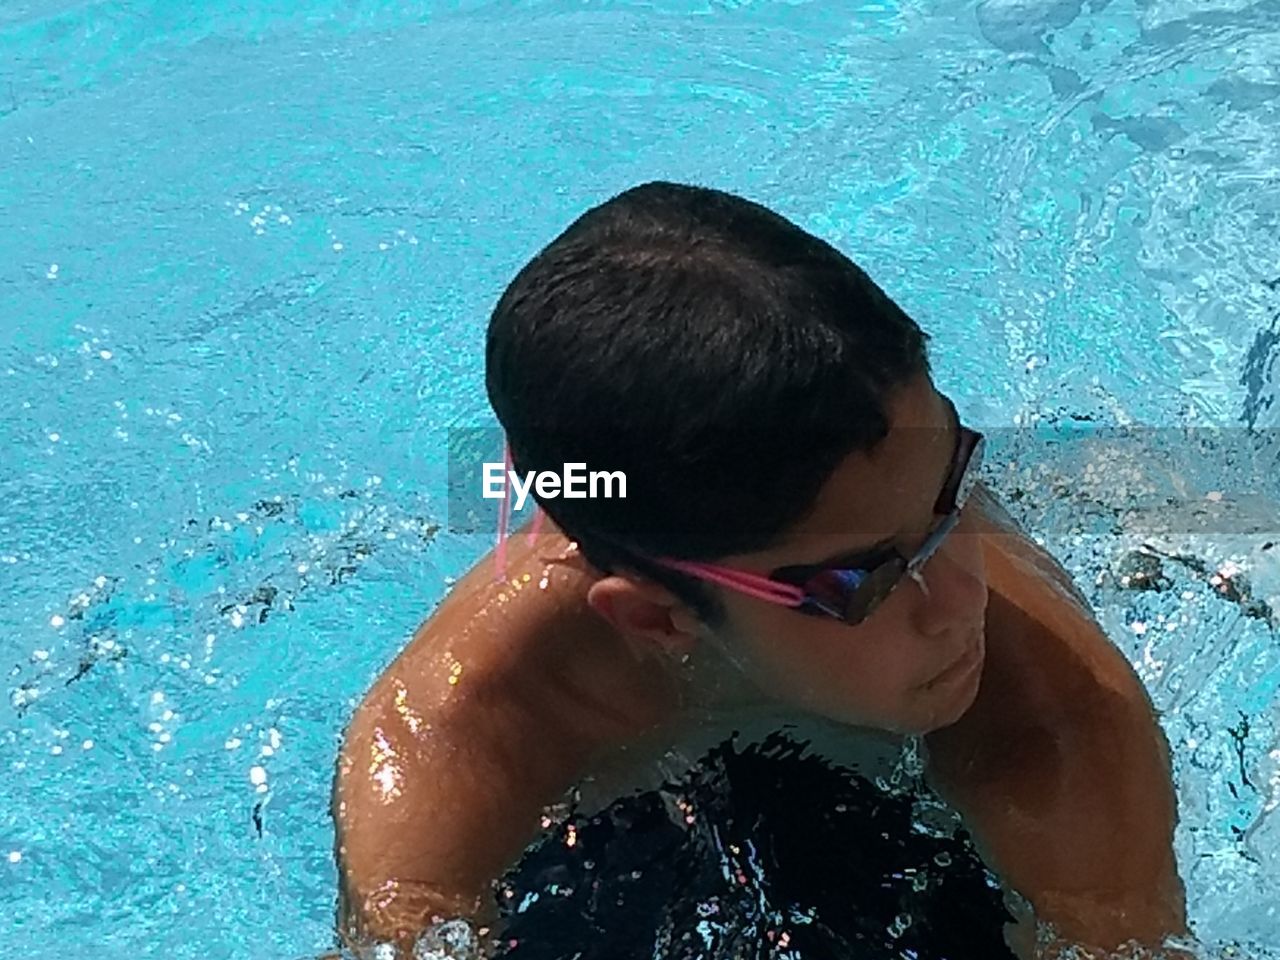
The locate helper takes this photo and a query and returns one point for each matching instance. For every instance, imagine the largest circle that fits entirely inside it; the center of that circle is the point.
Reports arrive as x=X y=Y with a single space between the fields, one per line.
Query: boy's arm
x=408 y=838
x=1060 y=768
x=427 y=819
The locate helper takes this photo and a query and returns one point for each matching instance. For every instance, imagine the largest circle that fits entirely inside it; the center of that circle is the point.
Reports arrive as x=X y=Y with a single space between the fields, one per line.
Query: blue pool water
x=247 y=256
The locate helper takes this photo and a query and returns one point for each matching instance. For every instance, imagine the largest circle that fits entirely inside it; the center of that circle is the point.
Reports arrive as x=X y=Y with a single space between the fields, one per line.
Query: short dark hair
x=719 y=355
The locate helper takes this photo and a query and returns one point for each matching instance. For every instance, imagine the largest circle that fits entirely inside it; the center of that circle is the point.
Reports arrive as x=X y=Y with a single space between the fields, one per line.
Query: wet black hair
x=723 y=358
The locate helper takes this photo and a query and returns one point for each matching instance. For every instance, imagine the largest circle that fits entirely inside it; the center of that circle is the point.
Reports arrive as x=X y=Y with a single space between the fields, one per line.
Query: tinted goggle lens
x=851 y=595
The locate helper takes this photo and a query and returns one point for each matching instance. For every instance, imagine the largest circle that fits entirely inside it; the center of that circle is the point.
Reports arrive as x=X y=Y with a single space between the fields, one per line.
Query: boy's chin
x=949 y=713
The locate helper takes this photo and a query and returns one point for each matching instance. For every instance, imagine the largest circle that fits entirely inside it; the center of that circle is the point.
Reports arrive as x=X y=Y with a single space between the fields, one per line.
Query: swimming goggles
x=851 y=593
x=846 y=593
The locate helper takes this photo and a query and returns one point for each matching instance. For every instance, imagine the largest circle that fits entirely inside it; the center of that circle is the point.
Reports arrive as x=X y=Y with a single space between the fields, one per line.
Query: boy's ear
x=646 y=613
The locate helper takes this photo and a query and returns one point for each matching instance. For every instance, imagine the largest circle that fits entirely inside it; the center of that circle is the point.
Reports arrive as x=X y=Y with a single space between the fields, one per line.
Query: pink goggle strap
x=504 y=516
x=749 y=583
x=504 y=510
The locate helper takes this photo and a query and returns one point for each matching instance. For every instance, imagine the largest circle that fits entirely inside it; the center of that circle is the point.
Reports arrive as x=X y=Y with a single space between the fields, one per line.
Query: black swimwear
x=787 y=856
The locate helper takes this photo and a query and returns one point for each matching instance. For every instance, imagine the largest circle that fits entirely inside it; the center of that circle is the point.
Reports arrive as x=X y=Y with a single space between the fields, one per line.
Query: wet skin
x=1036 y=728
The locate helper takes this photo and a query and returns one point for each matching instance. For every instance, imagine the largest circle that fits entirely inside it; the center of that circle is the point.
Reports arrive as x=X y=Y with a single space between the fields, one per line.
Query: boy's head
x=769 y=406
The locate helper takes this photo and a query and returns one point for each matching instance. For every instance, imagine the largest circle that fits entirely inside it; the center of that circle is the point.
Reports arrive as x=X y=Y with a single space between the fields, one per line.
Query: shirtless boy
x=790 y=469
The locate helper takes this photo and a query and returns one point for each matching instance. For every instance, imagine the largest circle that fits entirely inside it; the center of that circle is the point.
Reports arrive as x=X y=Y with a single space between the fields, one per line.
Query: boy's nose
x=954 y=589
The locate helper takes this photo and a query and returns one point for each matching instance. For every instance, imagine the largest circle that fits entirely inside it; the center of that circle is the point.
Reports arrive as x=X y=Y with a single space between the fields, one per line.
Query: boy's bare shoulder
x=1002 y=533
x=1042 y=626
x=452 y=755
